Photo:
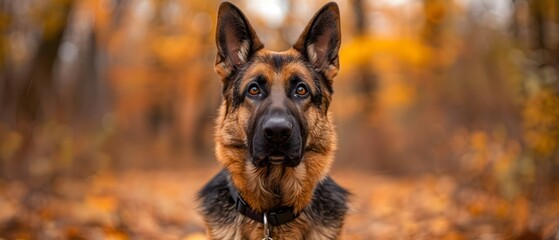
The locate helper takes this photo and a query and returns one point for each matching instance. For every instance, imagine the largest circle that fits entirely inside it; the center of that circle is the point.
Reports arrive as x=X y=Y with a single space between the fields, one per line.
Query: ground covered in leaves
x=160 y=204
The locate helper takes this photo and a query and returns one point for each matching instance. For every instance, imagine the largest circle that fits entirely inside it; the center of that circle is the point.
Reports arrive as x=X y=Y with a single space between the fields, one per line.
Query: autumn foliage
x=447 y=113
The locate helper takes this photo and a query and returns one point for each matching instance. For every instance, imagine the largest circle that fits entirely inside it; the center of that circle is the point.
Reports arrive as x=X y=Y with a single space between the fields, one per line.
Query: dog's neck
x=272 y=187
x=275 y=217
x=266 y=188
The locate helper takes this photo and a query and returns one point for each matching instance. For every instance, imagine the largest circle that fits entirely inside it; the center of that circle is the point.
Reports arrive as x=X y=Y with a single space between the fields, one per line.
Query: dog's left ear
x=320 y=42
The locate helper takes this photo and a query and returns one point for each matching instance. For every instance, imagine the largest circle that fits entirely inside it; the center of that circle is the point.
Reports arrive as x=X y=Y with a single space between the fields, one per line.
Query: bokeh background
x=447 y=113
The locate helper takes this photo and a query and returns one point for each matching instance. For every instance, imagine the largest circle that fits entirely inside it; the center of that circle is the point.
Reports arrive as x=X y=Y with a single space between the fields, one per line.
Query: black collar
x=276 y=216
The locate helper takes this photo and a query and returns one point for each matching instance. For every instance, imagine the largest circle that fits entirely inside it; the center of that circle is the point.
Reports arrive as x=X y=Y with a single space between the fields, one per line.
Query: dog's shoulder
x=215 y=199
x=329 y=205
x=215 y=187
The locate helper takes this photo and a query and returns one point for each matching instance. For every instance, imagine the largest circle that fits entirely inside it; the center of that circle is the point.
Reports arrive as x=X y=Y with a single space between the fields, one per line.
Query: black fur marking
x=320 y=79
x=317 y=97
x=261 y=80
x=236 y=143
x=277 y=61
x=327 y=82
x=237 y=97
x=234 y=82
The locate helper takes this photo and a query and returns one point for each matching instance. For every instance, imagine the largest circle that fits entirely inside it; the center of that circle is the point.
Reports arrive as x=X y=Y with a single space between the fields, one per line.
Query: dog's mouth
x=276 y=159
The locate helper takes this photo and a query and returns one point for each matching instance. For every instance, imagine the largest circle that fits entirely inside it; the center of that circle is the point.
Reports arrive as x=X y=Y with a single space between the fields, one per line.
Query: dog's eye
x=253 y=90
x=301 y=90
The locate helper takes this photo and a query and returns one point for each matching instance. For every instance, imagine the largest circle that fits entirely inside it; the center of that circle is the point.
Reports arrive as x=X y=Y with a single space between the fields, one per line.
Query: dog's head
x=276 y=103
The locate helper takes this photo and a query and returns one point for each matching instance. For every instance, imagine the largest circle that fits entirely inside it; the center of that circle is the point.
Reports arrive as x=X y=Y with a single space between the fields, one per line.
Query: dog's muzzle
x=277 y=140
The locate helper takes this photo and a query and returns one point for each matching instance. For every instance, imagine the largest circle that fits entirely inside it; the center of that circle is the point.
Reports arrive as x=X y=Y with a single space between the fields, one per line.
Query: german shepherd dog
x=274 y=134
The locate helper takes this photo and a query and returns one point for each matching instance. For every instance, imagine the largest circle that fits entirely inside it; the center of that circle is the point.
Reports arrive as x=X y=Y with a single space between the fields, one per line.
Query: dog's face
x=276 y=103
x=278 y=91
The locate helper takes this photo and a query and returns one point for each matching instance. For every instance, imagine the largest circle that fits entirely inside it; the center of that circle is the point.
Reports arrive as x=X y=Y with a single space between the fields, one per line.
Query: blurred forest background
x=447 y=112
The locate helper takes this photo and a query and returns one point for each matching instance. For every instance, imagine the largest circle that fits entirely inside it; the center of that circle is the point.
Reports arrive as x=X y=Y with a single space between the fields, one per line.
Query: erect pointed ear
x=236 y=40
x=320 y=42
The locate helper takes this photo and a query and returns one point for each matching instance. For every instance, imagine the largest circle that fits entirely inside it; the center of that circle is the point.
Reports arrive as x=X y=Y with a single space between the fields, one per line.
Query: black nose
x=277 y=129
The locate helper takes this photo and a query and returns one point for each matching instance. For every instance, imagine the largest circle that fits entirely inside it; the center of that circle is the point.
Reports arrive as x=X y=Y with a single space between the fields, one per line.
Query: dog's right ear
x=235 y=39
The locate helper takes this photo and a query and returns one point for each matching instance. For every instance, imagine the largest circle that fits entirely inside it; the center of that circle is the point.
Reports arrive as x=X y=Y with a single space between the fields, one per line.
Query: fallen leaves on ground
x=161 y=204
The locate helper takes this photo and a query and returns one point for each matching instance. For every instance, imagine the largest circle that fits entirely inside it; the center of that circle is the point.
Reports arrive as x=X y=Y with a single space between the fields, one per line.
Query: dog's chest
x=321 y=219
